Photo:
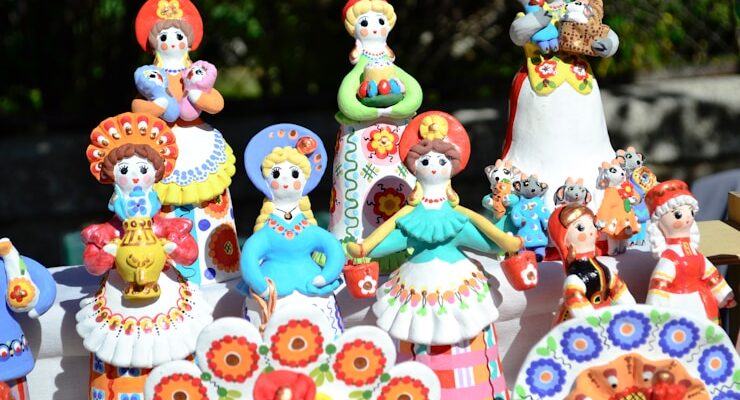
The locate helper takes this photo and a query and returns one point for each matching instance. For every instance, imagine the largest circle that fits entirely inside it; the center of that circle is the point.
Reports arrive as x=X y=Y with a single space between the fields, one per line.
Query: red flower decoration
x=297 y=343
x=410 y=387
x=359 y=363
x=284 y=384
x=580 y=70
x=218 y=207
x=388 y=202
x=547 y=69
x=383 y=143
x=180 y=385
x=233 y=359
x=18 y=294
x=223 y=248
x=626 y=190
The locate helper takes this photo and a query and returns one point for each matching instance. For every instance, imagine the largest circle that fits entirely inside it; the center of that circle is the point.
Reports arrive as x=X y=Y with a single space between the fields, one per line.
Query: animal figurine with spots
x=616 y=216
x=530 y=215
x=573 y=191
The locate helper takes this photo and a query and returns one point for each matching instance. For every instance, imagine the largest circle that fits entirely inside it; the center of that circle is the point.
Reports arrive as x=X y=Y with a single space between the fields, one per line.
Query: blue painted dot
x=210 y=273
x=204 y=224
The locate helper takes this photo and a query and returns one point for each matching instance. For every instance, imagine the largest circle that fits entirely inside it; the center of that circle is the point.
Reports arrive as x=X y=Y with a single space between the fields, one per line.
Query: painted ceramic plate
x=619 y=353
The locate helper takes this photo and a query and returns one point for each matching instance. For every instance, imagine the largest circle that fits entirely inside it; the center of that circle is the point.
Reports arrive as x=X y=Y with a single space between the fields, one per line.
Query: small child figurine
x=530 y=215
x=286 y=162
x=642 y=180
x=616 y=216
x=503 y=199
x=27 y=287
x=683 y=277
x=589 y=284
x=547 y=37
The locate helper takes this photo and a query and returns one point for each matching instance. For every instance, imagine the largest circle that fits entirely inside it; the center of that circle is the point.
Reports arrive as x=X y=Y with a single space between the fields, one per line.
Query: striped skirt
x=469 y=370
x=18 y=389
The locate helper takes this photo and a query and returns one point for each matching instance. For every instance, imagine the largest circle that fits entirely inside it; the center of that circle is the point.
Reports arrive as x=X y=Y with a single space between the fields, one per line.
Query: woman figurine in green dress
x=438 y=303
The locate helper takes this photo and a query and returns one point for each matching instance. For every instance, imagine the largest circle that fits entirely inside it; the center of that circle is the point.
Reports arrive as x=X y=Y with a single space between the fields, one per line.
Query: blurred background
x=672 y=90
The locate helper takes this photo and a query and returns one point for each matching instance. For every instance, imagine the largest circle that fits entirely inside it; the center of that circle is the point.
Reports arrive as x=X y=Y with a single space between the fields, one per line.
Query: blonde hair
x=418 y=193
x=364 y=6
x=293 y=156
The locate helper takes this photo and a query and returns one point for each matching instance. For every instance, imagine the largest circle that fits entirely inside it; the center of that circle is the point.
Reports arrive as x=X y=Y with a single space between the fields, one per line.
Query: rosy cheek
x=182 y=45
x=122 y=181
x=582 y=237
x=384 y=32
x=297 y=185
x=364 y=32
x=148 y=179
x=275 y=185
x=678 y=224
x=163 y=46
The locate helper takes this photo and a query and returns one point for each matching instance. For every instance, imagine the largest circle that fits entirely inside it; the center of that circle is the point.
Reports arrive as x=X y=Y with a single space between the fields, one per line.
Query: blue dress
x=531 y=216
x=282 y=251
x=16 y=360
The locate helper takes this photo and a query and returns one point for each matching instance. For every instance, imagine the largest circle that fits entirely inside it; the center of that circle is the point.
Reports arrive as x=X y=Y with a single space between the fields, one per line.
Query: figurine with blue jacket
x=286 y=162
x=547 y=37
x=27 y=287
x=503 y=199
x=530 y=216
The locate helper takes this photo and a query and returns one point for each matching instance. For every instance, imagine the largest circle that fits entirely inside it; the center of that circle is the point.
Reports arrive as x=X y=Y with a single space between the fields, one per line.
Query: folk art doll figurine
x=683 y=277
x=503 y=198
x=27 y=287
x=530 y=215
x=179 y=90
x=553 y=87
x=589 y=284
x=642 y=180
x=438 y=303
x=376 y=100
x=286 y=162
x=145 y=313
x=616 y=216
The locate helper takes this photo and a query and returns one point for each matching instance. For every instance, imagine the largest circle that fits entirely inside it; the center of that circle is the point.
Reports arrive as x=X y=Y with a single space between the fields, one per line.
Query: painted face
x=433 y=167
x=372 y=26
x=172 y=42
x=134 y=172
x=581 y=234
x=678 y=222
x=286 y=181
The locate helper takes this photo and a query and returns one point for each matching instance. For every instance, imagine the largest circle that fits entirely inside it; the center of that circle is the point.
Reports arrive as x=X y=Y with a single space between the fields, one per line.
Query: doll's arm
x=721 y=291
x=393 y=243
x=411 y=99
x=487 y=202
x=155 y=204
x=663 y=275
x=502 y=240
x=177 y=231
x=252 y=254
x=619 y=291
x=524 y=27
x=574 y=297
x=97 y=261
x=332 y=249
x=211 y=102
x=147 y=107
x=347 y=97
x=46 y=285
x=379 y=235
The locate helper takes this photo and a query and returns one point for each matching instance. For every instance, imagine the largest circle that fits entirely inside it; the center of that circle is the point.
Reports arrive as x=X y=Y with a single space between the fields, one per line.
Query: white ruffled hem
x=167 y=338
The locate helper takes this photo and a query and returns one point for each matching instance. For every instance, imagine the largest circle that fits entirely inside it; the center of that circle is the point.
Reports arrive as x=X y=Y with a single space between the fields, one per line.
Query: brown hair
x=129 y=150
x=166 y=24
x=440 y=146
x=557 y=228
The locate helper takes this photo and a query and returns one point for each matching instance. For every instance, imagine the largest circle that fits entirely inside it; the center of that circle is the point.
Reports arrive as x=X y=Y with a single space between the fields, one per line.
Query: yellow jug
x=140 y=259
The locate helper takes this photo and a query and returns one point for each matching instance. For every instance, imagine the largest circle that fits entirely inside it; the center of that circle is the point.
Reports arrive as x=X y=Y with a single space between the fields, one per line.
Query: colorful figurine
x=179 y=90
x=572 y=192
x=503 y=199
x=683 y=277
x=547 y=37
x=297 y=357
x=589 y=284
x=286 y=162
x=27 y=287
x=145 y=313
x=556 y=119
x=616 y=216
x=438 y=303
x=531 y=214
x=376 y=100
x=642 y=180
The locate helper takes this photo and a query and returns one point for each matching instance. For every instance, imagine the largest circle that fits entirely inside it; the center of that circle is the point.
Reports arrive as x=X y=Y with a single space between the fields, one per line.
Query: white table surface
x=61 y=371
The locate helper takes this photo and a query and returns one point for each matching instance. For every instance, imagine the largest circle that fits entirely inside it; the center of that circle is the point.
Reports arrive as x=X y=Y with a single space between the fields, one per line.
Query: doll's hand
x=194 y=95
x=169 y=247
x=312 y=289
x=33 y=314
x=355 y=250
x=162 y=102
x=200 y=76
x=728 y=302
x=111 y=248
x=319 y=281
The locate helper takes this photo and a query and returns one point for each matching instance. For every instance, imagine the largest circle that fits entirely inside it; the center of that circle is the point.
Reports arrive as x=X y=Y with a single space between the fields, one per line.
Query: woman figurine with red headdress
x=438 y=303
x=589 y=284
x=178 y=90
x=683 y=277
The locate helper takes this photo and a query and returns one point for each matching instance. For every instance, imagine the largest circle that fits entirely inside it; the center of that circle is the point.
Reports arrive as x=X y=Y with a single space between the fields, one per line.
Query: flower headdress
x=154 y=11
x=436 y=125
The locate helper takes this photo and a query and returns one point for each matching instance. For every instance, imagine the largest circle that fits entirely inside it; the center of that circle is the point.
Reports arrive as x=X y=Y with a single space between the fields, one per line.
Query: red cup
x=521 y=270
x=362 y=279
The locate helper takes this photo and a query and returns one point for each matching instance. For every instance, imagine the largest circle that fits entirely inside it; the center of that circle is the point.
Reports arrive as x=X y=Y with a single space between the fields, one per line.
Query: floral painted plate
x=627 y=352
x=296 y=354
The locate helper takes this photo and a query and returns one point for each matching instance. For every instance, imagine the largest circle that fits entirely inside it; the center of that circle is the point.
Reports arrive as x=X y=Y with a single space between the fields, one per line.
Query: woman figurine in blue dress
x=286 y=162
x=27 y=286
x=438 y=303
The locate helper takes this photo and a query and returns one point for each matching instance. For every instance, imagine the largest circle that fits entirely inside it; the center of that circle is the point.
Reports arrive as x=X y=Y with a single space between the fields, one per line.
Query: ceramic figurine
x=503 y=198
x=683 y=277
x=297 y=357
x=616 y=216
x=642 y=180
x=556 y=119
x=589 y=284
x=376 y=100
x=581 y=27
x=27 y=287
x=631 y=352
x=178 y=90
x=546 y=38
x=438 y=303
x=145 y=313
x=286 y=162
x=573 y=191
x=531 y=214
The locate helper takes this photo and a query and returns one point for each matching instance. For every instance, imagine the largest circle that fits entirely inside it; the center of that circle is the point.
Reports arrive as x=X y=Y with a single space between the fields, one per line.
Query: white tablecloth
x=61 y=371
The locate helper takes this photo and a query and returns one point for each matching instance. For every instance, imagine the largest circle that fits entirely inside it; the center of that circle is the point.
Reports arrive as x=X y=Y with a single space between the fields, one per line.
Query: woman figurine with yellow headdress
x=145 y=313
x=438 y=303
x=286 y=162
x=178 y=90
